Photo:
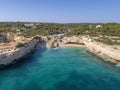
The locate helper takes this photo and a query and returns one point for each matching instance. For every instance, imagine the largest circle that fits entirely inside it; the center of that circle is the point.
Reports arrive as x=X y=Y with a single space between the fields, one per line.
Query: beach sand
x=71 y=45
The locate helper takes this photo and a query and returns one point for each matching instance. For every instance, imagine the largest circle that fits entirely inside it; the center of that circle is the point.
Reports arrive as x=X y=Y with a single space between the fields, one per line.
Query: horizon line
x=56 y=22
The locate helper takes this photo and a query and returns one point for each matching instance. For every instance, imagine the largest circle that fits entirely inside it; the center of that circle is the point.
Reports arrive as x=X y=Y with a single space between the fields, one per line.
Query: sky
x=60 y=11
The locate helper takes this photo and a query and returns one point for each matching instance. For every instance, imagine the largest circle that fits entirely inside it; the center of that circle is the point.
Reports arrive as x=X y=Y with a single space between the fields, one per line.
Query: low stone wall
x=18 y=53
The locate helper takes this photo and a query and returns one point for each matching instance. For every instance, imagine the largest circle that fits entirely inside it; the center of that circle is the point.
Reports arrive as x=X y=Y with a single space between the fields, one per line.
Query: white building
x=29 y=24
x=98 y=26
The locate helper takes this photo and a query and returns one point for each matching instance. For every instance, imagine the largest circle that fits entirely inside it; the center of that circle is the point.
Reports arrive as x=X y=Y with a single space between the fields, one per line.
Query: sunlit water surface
x=61 y=69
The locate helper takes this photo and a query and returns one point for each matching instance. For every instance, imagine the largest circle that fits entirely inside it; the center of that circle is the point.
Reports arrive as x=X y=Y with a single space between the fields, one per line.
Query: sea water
x=69 y=68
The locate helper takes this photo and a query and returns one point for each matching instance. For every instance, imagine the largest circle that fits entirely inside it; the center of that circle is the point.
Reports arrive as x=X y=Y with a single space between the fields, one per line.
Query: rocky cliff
x=107 y=52
x=18 y=53
x=73 y=39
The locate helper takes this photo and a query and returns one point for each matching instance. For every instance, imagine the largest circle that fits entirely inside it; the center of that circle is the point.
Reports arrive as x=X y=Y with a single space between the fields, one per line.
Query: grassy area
x=108 y=41
x=19 y=45
x=108 y=29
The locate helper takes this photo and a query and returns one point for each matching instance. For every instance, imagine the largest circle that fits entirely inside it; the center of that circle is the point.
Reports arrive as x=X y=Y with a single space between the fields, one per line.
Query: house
x=29 y=24
x=99 y=26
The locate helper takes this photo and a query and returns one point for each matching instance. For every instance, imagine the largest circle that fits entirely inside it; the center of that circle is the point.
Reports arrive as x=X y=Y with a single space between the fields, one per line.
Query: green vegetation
x=105 y=41
x=19 y=45
x=13 y=27
x=109 y=29
x=47 y=29
x=108 y=41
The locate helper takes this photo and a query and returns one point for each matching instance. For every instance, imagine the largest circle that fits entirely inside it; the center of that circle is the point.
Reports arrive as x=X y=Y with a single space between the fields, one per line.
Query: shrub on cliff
x=37 y=37
x=19 y=45
x=105 y=41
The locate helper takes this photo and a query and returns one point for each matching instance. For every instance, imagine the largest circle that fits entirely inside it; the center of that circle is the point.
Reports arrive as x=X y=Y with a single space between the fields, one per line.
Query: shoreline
x=105 y=52
x=68 y=45
x=102 y=56
x=71 y=45
x=18 y=54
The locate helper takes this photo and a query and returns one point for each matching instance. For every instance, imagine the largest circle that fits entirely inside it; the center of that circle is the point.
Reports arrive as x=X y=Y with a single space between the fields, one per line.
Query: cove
x=69 y=68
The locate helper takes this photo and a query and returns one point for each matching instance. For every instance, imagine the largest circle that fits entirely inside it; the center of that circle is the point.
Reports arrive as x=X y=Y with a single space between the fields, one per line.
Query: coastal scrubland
x=101 y=30
x=103 y=35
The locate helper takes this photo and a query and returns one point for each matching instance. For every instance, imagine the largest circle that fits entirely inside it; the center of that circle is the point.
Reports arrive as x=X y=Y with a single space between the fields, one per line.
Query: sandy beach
x=71 y=45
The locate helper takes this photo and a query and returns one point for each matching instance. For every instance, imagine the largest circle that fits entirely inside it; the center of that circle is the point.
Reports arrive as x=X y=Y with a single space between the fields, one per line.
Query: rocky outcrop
x=17 y=54
x=107 y=52
x=53 y=42
x=73 y=39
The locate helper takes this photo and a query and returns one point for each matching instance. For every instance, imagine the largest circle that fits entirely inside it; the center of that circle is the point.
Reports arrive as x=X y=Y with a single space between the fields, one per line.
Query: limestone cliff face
x=52 y=42
x=105 y=51
x=73 y=39
x=16 y=54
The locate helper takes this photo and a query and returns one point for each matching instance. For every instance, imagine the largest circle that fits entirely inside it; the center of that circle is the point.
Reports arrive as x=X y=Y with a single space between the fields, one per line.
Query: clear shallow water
x=62 y=69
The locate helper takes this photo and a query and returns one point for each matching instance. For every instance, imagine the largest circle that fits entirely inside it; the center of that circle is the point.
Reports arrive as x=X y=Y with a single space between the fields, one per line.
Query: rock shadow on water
x=77 y=81
x=30 y=59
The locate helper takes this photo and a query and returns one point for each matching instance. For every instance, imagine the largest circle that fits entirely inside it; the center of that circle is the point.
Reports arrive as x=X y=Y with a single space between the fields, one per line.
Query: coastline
x=102 y=56
x=107 y=53
x=71 y=45
x=18 y=54
x=104 y=51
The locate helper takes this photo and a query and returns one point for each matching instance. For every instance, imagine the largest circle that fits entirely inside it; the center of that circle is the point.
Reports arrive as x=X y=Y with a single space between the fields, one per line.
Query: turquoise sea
x=70 y=68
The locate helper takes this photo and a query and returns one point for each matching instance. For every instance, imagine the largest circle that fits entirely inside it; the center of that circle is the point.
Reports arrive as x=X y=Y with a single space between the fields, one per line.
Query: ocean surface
x=70 y=68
